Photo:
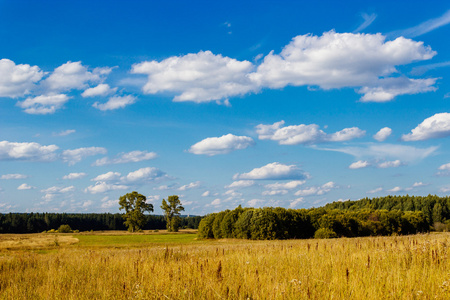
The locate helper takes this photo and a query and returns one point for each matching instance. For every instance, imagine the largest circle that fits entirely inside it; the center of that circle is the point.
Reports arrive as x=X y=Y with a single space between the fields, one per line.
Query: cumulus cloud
x=73 y=75
x=102 y=90
x=108 y=203
x=390 y=164
x=272 y=171
x=255 y=203
x=189 y=186
x=144 y=174
x=13 y=176
x=337 y=60
x=44 y=104
x=240 y=184
x=216 y=202
x=17 y=80
x=386 y=89
x=198 y=77
x=133 y=156
x=436 y=126
x=387 y=151
x=115 y=102
x=304 y=134
x=110 y=176
x=25 y=186
x=445 y=167
x=103 y=187
x=76 y=155
x=285 y=186
x=221 y=145
x=317 y=190
x=395 y=189
x=359 y=164
x=27 y=151
x=383 y=134
x=206 y=194
x=72 y=176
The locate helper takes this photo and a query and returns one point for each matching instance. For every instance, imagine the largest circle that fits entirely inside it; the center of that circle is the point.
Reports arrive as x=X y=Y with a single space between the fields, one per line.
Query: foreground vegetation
x=405 y=267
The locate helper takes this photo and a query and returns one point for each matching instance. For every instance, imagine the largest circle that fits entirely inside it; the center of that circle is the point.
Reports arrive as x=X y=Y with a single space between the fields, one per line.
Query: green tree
x=172 y=212
x=135 y=205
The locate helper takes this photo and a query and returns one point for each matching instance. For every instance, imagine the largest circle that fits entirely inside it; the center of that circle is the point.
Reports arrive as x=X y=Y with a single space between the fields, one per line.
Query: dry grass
x=410 y=267
x=34 y=241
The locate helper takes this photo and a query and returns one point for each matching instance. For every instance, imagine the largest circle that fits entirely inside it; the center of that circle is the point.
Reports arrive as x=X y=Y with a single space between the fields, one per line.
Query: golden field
x=178 y=266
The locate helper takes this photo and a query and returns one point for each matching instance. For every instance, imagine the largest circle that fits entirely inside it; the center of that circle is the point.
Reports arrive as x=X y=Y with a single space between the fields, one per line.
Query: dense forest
x=391 y=215
x=39 y=222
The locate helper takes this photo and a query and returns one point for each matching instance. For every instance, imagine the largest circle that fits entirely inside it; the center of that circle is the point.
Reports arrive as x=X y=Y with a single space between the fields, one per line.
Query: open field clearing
x=406 y=267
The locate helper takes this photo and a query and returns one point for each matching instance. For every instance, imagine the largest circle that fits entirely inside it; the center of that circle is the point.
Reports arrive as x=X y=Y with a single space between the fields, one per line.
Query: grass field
x=177 y=266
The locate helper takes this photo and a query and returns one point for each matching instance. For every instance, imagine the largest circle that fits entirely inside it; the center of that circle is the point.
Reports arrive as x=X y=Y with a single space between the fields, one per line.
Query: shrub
x=325 y=233
x=65 y=229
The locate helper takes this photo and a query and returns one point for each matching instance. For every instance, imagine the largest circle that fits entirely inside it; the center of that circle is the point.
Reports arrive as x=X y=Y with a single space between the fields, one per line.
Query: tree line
x=39 y=222
x=391 y=215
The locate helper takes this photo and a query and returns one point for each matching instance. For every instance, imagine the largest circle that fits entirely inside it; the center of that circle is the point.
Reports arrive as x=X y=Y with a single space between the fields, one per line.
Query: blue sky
x=287 y=103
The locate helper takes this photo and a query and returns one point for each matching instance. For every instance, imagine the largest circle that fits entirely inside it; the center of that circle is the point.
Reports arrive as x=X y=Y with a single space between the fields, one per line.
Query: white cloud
x=189 y=186
x=206 y=194
x=64 y=132
x=445 y=167
x=51 y=192
x=295 y=202
x=133 y=156
x=419 y=184
x=285 y=186
x=426 y=26
x=102 y=90
x=387 y=151
x=383 y=134
x=115 y=102
x=368 y=19
x=386 y=89
x=103 y=187
x=163 y=188
x=274 y=192
x=27 y=151
x=255 y=202
x=13 y=176
x=221 y=145
x=336 y=60
x=87 y=203
x=317 y=190
x=390 y=164
x=199 y=77
x=110 y=176
x=395 y=189
x=73 y=75
x=240 y=184
x=436 y=126
x=216 y=202
x=304 y=134
x=108 y=203
x=144 y=174
x=273 y=170
x=375 y=190
x=359 y=164
x=72 y=176
x=44 y=104
x=25 y=186
x=76 y=155
x=17 y=80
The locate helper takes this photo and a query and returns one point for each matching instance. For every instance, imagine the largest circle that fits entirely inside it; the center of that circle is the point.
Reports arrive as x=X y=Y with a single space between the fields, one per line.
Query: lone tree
x=135 y=206
x=172 y=212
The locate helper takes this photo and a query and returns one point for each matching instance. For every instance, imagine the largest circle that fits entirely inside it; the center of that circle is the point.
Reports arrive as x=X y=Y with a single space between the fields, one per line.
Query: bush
x=64 y=229
x=325 y=233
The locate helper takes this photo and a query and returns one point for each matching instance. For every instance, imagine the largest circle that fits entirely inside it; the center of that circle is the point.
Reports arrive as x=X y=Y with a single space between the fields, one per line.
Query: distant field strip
x=133 y=240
